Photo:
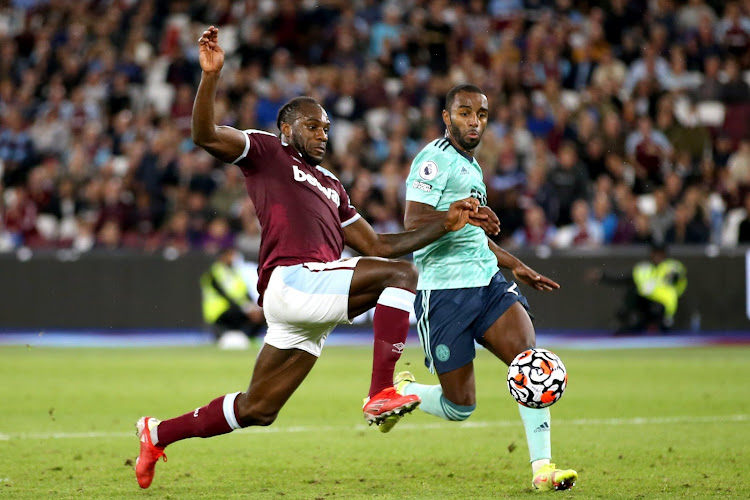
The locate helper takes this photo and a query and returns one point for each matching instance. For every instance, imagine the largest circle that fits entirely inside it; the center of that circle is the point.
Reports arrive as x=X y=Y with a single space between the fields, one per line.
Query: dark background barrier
x=100 y=291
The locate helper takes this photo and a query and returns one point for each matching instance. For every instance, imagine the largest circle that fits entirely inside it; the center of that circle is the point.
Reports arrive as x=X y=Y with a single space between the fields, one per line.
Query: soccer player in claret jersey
x=462 y=295
x=306 y=288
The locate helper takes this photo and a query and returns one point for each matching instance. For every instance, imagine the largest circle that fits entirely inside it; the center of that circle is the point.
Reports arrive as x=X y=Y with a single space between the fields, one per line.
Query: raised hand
x=211 y=56
x=462 y=212
x=490 y=224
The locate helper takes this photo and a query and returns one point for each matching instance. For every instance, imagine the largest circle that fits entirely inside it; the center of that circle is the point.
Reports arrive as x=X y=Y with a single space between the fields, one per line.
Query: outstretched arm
x=521 y=271
x=362 y=237
x=419 y=214
x=224 y=143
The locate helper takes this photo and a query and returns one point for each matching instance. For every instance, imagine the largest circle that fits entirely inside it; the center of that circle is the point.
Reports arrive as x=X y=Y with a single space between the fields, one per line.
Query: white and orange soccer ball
x=537 y=378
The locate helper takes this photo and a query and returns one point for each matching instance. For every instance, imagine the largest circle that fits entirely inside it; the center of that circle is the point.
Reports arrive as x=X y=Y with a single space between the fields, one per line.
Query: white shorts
x=304 y=303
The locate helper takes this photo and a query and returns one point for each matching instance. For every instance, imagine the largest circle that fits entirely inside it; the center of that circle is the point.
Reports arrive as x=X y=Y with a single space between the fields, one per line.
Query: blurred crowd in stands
x=612 y=123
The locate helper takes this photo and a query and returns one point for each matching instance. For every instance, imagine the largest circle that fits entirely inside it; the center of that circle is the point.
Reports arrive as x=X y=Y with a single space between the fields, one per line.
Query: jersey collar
x=468 y=157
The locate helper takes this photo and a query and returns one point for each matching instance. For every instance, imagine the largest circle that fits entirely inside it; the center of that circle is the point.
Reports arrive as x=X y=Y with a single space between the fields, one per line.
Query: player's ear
x=286 y=130
x=446 y=118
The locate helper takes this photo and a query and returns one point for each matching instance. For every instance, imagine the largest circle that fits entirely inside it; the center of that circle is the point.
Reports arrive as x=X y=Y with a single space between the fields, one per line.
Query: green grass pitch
x=659 y=423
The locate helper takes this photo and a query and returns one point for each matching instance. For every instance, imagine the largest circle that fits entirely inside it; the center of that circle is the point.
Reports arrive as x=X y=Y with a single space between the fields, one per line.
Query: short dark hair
x=466 y=87
x=289 y=112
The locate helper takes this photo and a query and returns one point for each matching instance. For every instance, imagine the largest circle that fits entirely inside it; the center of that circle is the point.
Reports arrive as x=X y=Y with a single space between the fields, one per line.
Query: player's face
x=467 y=119
x=310 y=133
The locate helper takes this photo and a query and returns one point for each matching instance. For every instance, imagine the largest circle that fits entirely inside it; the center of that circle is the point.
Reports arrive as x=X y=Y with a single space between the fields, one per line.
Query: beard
x=466 y=144
x=300 y=147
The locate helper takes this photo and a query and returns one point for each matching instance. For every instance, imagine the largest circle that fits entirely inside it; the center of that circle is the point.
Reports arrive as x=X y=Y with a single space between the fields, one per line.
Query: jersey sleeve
x=347 y=212
x=258 y=145
x=427 y=178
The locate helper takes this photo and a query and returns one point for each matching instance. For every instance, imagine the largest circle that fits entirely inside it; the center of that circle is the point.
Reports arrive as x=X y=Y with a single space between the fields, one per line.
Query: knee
x=254 y=413
x=404 y=275
x=520 y=343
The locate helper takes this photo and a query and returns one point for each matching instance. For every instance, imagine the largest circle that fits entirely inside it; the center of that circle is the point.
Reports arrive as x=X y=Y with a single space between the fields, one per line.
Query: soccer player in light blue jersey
x=462 y=296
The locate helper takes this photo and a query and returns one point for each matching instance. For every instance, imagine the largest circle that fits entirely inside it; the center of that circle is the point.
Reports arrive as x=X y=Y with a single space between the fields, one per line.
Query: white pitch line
x=436 y=425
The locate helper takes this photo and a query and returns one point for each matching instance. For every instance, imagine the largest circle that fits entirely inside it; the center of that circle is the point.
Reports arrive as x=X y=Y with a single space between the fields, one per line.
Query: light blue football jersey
x=439 y=176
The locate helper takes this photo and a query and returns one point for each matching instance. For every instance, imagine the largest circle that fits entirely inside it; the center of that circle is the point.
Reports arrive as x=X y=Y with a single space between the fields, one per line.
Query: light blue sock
x=537 y=422
x=434 y=403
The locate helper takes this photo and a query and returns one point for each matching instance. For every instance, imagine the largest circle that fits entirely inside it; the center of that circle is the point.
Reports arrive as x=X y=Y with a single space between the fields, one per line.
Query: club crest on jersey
x=428 y=170
x=329 y=193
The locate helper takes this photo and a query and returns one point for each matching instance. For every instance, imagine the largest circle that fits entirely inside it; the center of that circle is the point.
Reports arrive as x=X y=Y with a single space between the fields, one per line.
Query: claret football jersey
x=302 y=208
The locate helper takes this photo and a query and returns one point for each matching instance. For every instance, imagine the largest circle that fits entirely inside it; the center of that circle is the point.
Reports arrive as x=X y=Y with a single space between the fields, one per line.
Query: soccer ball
x=537 y=378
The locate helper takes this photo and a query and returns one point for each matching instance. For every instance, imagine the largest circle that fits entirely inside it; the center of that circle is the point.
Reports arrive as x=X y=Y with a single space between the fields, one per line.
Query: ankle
x=538 y=464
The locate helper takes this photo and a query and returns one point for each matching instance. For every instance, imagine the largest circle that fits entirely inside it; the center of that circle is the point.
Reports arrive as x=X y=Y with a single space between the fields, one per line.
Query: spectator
x=689 y=16
x=49 y=134
x=16 y=148
x=569 y=180
x=612 y=135
x=650 y=66
x=738 y=165
x=538 y=191
x=733 y=32
x=648 y=150
x=89 y=101
x=386 y=34
x=625 y=232
x=743 y=234
x=268 y=107
x=688 y=227
x=218 y=236
x=643 y=235
x=582 y=232
x=539 y=123
x=735 y=90
x=436 y=38
x=603 y=215
x=610 y=72
x=109 y=236
x=580 y=75
x=691 y=138
x=536 y=231
x=678 y=79
x=711 y=88
x=662 y=218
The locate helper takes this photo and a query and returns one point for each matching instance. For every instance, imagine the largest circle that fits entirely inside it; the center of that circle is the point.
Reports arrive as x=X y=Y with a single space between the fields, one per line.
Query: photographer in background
x=226 y=289
x=652 y=297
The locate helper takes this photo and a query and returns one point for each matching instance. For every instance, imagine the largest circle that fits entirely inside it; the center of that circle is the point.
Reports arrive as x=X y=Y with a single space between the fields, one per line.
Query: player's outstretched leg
x=149 y=454
x=511 y=334
x=216 y=418
x=260 y=405
x=433 y=400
